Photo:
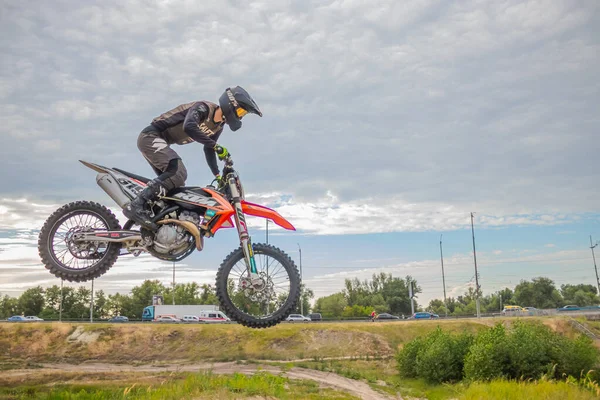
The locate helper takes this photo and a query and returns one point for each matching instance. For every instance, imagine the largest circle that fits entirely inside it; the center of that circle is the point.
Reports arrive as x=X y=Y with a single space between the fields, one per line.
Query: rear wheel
x=78 y=261
x=266 y=303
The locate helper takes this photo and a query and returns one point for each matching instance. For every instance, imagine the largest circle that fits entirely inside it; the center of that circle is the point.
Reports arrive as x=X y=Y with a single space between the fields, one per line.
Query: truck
x=178 y=311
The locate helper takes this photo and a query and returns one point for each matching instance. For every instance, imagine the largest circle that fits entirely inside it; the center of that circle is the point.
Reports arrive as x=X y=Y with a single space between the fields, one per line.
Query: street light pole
x=476 y=275
x=301 y=297
x=443 y=277
x=92 y=303
x=595 y=267
x=173 y=282
x=61 y=301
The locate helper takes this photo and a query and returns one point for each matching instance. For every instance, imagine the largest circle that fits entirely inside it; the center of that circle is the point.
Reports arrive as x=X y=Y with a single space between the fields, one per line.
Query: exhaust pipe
x=109 y=184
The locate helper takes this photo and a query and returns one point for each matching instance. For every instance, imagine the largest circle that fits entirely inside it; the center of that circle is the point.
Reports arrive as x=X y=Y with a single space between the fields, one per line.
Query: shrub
x=530 y=349
x=575 y=357
x=442 y=359
x=407 y=358
x=488 y=357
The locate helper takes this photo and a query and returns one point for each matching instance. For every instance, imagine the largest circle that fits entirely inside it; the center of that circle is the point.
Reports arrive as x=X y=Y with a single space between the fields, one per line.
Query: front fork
x=240 y=221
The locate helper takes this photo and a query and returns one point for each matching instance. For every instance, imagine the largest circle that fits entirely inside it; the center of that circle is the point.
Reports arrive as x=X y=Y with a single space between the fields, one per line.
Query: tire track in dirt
x=325 y=379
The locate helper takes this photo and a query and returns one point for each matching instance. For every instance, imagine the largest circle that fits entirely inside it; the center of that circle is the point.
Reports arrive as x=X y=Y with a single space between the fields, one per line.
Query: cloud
x=325 y=216
x=427 y=102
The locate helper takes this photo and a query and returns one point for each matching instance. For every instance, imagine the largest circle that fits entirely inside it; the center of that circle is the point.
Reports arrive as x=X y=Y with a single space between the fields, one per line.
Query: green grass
x=196 y=386
x=508 y=390
x=380 y=374
x=383 y=375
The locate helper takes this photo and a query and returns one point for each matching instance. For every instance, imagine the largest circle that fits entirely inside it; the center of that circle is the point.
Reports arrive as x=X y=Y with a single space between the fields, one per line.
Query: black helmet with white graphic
x=235 y=103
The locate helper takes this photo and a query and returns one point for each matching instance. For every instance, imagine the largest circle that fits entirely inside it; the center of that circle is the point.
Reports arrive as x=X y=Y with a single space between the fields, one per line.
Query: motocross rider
x=198 y=121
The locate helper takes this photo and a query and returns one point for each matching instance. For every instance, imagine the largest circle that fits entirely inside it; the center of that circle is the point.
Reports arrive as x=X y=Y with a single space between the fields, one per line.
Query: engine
x=173 y=239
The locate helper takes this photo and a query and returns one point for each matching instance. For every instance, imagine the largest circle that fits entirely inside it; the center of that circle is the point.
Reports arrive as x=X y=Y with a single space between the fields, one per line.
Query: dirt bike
x=257 y=285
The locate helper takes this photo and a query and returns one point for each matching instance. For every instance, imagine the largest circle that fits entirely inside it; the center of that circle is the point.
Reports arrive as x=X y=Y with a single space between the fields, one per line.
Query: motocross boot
x=137 y=209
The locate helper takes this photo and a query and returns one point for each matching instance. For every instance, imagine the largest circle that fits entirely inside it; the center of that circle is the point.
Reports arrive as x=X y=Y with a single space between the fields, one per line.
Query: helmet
x=235 y=103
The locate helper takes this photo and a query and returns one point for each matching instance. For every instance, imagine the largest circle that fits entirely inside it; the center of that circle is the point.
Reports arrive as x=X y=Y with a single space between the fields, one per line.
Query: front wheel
x=258 y=304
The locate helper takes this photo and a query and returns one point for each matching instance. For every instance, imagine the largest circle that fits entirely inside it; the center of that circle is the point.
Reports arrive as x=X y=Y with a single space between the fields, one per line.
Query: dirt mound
x=81 y=336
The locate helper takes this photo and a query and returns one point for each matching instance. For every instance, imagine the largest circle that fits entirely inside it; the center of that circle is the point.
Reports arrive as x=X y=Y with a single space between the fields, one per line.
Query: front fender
x=261 y=211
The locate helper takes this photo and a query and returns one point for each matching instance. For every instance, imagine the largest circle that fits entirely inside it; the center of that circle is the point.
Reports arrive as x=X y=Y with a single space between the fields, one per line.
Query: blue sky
x=384 y=126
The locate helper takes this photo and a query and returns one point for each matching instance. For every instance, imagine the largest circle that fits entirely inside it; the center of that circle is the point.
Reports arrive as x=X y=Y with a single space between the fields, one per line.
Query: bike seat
x=196 y=189
x=132 y=175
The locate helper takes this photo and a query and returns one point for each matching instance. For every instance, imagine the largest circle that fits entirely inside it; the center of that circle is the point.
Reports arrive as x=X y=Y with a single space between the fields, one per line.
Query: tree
x=208 y=295
x=581 y=295
x=141 y=297
x=507 y=296
x=357 y=311
x=81 y=308
x=306 y=295
x=436 y=306
x=118 y=304
x=8 y=306
x=539 y=293
x=31 y=301
x=52 y=308
x=100 y=303
x=331 y=306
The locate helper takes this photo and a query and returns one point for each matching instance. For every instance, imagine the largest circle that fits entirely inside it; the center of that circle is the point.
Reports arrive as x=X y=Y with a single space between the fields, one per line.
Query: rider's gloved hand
x=221 y=152
x=220 y=180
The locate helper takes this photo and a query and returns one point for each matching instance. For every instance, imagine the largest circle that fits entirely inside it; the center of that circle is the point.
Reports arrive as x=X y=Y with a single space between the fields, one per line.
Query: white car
x=167 y=318
x=297 y=317
x=33 y=318
x=190 y=318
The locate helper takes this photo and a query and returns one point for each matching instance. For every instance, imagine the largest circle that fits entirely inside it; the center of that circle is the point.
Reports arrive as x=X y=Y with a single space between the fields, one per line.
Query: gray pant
x=159 y=154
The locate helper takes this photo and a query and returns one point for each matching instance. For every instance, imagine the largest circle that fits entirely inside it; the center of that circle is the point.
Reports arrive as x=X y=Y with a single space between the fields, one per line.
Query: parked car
x=297 y=317
x=315 y=317
x=386 y=316
x=119 y=318
x=167 y=318
x=16 y=318
x=424 y=315
x=33 y=318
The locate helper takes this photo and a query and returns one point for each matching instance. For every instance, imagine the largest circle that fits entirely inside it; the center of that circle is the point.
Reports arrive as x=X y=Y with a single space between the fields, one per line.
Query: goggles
x=240 y=112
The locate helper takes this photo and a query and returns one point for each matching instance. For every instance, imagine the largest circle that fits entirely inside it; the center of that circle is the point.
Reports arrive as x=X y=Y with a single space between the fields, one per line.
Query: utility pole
x=410 y=294
x=476 y=274
x=595 y=267
x=443 y=277
x=92 y=303
x=173 y=282
x=61 y=301
x=301 y=289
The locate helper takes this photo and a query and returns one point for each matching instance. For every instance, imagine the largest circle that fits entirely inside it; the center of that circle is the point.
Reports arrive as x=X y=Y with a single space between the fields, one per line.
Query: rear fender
x=265 y=212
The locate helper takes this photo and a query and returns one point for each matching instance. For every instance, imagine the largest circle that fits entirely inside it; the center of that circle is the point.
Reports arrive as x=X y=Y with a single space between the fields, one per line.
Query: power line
x=454 y=264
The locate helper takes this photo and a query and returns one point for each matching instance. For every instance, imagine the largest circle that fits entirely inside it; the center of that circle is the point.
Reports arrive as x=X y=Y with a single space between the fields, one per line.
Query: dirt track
x=325 y=379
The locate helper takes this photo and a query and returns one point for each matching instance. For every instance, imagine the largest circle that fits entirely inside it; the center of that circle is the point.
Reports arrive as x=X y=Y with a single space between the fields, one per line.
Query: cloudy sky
x=385 y=124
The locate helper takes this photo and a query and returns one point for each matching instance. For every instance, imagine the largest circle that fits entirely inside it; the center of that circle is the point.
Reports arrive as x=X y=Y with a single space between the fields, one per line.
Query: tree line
x=383 y=293
x=540 y=292
x=46 y=302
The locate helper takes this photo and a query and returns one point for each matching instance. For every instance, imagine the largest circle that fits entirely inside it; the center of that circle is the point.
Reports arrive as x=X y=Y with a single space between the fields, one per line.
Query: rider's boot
x=137 y=209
